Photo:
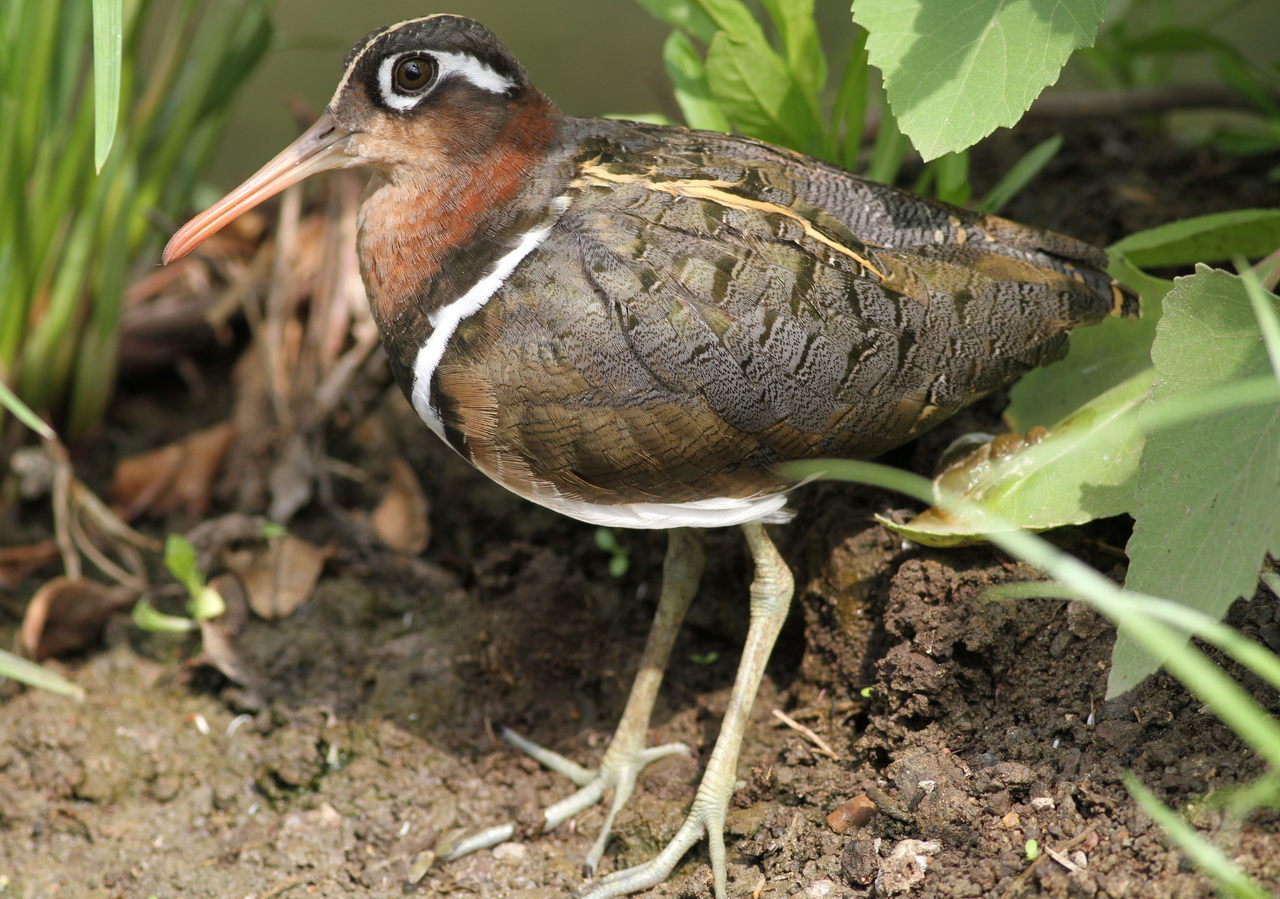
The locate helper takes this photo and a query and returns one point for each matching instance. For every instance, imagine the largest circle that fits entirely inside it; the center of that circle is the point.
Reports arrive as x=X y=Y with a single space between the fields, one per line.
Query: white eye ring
x=394 y=98
x=461 y=64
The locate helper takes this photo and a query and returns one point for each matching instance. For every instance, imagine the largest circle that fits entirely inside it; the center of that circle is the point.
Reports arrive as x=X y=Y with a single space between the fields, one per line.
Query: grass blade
x=33 y=675
x=108 y=51
x=889 y=150
x=1203 y=854
x=1020 y=175
x=848 y=119
x=20 y=410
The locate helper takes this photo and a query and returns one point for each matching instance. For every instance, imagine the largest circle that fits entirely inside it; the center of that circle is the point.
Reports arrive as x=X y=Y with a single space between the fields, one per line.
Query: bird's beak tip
x=320 y=148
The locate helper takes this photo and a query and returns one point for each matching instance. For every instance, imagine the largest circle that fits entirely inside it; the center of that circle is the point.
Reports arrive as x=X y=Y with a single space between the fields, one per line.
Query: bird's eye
x=413 y=74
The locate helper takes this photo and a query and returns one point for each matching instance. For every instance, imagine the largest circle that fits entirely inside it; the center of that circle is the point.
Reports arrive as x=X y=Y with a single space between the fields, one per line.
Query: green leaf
x=1206 y=238
x=734 y=19
x=108 y=52
x=180 y=559
x=799 y=32
x=1019 y=175
x=149 y=618
x=33 y=675
x=689 y=76
x=1209 y=488
x=751 y=84
x=955 y=72
x=1082 y=470
x=682 y=14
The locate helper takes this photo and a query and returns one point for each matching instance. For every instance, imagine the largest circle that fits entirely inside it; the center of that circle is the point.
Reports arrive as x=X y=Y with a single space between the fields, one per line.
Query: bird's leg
x=627 y=754
x=771 y=591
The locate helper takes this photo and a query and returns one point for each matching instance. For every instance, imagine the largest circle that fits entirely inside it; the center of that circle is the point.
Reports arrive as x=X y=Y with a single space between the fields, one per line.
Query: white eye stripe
x=468 y=67
x=473 y=70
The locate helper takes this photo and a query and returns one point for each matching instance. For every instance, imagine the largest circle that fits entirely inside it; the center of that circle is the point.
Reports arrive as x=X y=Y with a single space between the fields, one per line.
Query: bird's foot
x=705 y=819
x=618 y=771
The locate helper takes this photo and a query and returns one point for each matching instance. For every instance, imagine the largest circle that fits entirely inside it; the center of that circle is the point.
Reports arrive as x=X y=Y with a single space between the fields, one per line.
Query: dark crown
x=438 y=33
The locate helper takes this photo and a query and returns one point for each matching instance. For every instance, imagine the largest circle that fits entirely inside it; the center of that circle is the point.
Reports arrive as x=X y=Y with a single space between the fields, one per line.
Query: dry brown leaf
x=17 y=563
x=68 y=614
x=280 y=576
x=400 y=519
x=174 y=478
x=217 y=635
x=140 y=480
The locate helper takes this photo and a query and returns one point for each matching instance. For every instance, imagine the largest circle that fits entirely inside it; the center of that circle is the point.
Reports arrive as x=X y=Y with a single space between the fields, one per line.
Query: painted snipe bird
x=633 y=324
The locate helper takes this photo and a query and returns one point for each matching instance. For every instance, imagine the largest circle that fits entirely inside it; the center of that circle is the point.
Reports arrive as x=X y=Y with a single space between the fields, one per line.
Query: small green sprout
x=619 y=555
x=203 y=602
x=1032 y=849
x=867 y=692
x=704 y=658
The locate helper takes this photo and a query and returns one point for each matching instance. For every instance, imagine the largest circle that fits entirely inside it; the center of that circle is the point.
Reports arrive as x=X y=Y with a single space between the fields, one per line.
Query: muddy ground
x=367 y=735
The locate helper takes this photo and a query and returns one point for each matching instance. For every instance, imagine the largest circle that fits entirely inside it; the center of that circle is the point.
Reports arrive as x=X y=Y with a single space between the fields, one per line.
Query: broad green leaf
x=689 y=76
x=799 y=32
x=955 y=72
x=180 y=559
x=751 y=84
x=108 y=51
x=1206 y=238
x=1205 y=513
x=1082 y=470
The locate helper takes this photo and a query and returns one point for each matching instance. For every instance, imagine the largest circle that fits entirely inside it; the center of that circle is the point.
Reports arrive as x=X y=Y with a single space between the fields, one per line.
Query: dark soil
x=974 y=726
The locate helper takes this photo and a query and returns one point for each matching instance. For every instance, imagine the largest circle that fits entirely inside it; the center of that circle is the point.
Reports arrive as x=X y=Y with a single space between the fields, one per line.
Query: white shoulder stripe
x=445 y=321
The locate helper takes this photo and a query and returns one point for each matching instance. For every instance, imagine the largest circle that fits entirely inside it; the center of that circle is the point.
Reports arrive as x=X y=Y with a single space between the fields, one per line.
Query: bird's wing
x=730 y=282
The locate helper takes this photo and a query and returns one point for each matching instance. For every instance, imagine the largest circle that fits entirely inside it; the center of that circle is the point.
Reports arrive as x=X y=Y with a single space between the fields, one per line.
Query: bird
x=635 y=324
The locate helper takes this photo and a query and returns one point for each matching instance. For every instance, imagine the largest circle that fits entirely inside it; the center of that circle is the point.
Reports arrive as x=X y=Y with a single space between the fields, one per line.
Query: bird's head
x=427 y=95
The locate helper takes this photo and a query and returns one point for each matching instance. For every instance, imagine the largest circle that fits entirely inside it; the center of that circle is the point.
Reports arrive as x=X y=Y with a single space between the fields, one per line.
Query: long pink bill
x=320 y=148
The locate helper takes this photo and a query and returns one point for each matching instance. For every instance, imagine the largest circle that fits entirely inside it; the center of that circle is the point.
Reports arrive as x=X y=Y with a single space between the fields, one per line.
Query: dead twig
x=79 y=516
x=822 y=745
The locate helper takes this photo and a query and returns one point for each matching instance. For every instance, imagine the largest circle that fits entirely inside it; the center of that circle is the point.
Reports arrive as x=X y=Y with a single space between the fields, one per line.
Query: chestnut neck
x=428 y=231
